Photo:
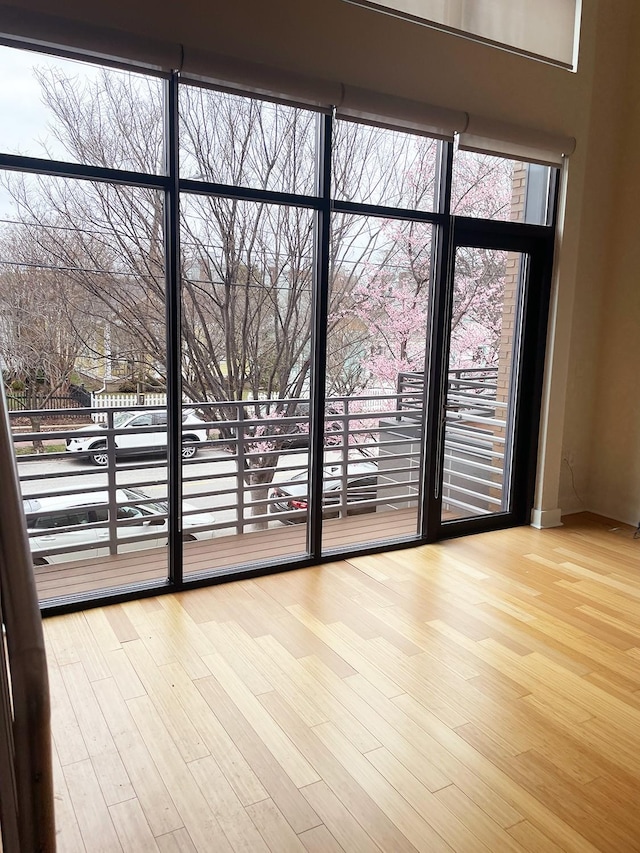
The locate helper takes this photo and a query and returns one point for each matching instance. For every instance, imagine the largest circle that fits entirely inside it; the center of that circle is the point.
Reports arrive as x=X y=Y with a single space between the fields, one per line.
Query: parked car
x=293 y=497
x=297 y=437
x=94 y=447
x=67 y=521
x=286 y=434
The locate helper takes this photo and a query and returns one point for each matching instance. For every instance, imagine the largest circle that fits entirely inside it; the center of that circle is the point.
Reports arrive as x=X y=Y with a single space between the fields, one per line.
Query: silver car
x=94 y=447
x=76 y=526
x=361 y=489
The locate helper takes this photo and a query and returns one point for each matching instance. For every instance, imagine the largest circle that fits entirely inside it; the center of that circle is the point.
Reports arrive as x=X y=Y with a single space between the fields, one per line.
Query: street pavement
x=212 y=471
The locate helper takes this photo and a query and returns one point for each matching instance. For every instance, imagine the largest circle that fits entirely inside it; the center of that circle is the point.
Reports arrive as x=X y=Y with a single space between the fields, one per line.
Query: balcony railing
x=251 y=449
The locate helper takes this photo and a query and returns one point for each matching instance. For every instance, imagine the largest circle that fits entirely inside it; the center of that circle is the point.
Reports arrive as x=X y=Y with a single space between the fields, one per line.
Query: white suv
x=71 y=521
x=94 y=447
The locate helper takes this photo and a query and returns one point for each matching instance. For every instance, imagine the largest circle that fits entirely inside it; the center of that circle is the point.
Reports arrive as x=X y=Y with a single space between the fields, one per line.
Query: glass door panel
x=247 y=283
x=83 y=298
x=484 y=343
x=375 y=412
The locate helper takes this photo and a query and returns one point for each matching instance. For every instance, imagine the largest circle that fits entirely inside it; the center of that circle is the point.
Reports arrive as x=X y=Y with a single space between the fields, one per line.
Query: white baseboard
x=543 y=518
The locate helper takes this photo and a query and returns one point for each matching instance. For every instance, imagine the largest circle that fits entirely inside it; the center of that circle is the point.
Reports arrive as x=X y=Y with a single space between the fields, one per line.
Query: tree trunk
x=258 y=497
x=38 y=446
x=259 y=506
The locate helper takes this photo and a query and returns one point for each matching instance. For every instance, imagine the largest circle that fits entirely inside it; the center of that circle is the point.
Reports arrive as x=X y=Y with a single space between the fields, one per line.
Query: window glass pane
x=376 y=347
x=491 y=187
x=483 y=357
x=373 y=165
x=62 y=109
x=82 y=324
x=248 y=271
x=229 y=139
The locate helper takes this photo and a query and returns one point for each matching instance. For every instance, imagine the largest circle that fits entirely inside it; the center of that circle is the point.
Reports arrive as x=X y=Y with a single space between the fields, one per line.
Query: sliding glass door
x=490 y=382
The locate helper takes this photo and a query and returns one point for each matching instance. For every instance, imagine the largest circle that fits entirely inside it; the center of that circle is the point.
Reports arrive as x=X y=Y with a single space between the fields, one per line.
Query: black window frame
x=324 y=206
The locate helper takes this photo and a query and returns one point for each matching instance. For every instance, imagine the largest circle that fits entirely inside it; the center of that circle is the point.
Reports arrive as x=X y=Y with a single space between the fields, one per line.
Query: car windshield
x=121 y=418
x=150 y=508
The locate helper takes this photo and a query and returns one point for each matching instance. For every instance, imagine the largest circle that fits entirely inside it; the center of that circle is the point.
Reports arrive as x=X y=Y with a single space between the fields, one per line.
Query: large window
x=238 y=335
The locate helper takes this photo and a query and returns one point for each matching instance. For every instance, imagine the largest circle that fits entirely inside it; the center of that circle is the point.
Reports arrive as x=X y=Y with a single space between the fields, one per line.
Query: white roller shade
x=399 y=113
x=515 y=142
x=351 y=102
x=96 y=42
x=243 y=76
x=545 y=29
x=238 y=75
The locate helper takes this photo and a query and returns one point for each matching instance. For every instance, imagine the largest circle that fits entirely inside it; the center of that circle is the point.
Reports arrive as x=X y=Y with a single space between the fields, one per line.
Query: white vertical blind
x=545 y=29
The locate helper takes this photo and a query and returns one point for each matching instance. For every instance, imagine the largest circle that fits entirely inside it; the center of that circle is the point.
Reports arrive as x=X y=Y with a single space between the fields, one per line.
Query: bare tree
x=41 y=334
x=247 y=267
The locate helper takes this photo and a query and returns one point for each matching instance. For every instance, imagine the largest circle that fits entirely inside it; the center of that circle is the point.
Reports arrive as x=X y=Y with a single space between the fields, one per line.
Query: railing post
x=240 y=468
x=345 y=460
x=345 y=428
x=111 y=485
x=399 y=387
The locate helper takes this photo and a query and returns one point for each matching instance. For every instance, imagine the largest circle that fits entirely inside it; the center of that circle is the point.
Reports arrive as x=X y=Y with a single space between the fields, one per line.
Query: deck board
x=218 y=554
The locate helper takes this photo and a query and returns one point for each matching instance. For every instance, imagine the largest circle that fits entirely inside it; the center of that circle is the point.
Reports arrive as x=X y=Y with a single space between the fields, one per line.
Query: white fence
x=124 y=401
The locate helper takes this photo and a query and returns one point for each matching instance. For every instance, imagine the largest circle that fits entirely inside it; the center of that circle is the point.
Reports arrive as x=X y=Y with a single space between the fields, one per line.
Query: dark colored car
x=294 y=435
x=362 y=487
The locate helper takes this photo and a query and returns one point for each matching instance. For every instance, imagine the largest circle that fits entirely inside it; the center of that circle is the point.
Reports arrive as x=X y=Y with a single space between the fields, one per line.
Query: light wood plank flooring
x=482 y=694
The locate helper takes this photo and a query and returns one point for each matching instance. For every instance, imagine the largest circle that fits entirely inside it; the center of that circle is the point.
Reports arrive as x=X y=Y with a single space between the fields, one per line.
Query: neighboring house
x=111 y=358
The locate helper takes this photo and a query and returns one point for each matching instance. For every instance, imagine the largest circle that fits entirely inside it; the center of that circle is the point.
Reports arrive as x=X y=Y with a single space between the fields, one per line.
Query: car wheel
x=40 y=561
x=99 y=456
x=189 y=450
x=188 y=537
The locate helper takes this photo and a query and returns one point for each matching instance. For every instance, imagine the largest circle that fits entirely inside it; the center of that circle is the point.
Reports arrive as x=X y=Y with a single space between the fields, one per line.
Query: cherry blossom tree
x=389 y=302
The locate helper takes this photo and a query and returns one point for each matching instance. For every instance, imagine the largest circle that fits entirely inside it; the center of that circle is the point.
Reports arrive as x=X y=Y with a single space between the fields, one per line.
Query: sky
x=23 y=117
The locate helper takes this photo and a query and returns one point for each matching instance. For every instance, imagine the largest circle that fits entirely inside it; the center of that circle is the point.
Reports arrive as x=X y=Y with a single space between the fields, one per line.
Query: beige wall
x=613 y=487
x=610 y=97
x=338 y=41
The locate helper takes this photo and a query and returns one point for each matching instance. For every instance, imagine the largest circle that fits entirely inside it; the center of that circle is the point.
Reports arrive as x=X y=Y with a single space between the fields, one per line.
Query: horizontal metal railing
x=242 y=435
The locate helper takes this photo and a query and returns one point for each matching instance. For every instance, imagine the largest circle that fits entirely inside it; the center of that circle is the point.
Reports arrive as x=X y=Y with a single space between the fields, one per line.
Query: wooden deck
x=478 y=696
x=217 y=555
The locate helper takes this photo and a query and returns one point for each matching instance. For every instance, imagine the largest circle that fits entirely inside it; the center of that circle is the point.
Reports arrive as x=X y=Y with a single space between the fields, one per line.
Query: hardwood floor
x=482 y=694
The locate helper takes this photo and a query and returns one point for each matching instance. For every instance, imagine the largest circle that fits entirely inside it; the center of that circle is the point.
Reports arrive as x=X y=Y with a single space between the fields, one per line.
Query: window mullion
x=172 y=279
x=319 y=337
